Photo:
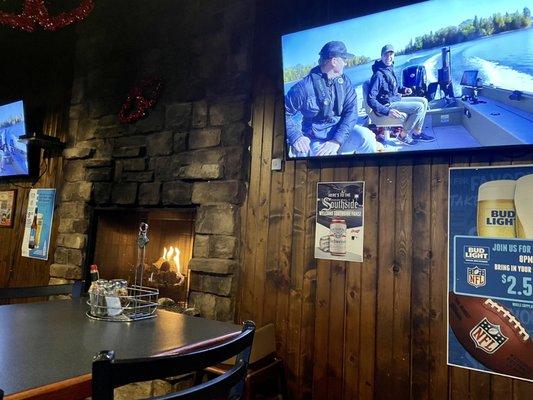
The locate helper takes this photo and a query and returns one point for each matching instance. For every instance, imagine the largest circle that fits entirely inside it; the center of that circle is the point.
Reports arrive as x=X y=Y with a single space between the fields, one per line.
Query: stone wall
x=191 y=150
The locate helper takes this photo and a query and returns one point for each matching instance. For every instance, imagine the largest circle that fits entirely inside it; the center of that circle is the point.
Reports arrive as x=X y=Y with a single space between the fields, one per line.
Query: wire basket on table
x=136 y=303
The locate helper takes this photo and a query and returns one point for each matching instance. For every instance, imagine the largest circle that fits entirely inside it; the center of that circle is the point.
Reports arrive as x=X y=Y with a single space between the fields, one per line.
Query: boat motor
x=445 y=74
x=415 y=78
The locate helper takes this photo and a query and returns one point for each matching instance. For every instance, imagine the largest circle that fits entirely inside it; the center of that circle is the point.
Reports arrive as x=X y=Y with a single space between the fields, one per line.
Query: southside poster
x=339 y=221
x=38 y=229
x=490 y=270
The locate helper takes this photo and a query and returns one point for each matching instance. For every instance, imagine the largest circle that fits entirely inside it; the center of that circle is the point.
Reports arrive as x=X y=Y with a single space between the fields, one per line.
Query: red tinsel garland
x=34 y=12
x=142 y=97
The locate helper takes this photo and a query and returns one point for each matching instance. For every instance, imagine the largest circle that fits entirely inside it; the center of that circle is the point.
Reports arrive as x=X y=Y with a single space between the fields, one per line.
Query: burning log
x=166 y=270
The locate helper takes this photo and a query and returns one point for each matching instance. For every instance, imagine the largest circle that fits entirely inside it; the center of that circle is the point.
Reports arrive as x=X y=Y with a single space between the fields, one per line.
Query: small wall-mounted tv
x=14 y=154
x=441 y=75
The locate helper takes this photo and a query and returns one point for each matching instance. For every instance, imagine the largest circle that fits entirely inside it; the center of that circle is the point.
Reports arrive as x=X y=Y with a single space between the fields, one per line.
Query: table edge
x=62 y=390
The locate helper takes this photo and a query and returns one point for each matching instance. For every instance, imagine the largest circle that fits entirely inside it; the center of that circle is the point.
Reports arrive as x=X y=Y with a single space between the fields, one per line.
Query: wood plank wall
x=16 y=270
x=371 y=330
x=36 y=68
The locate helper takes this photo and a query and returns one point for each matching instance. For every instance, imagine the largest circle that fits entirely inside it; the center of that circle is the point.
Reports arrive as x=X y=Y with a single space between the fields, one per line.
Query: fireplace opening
x=167 y=255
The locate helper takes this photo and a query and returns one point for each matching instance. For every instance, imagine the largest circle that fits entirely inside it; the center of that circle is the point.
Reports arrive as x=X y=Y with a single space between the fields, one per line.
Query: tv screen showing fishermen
x=441 y=75
x=13 y=152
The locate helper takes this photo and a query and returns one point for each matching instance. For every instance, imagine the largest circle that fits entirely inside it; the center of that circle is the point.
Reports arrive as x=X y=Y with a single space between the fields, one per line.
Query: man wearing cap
x=327 y=101
x=385 y=98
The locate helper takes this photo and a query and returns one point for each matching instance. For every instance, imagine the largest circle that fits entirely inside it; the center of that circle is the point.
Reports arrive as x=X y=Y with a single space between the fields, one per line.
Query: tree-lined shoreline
x=299 y=71
x=470 y=29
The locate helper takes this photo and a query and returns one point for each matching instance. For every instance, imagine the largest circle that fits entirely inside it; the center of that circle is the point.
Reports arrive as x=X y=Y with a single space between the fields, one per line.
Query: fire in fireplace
x=168 y=252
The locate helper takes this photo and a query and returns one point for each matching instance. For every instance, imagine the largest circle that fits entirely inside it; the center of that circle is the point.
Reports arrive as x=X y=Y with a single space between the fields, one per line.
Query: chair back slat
x=109 y=372
x=73 y=289
x=215 y=388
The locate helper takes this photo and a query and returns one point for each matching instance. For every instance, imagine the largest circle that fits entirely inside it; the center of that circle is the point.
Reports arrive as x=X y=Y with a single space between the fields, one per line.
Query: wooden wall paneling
x=369 y=284
x=279 y=249
x=385 y=295
x=249 y=243
x=438 y=279
x=296 y=272
x=352 y=309
x=322 y=310
x=264 y=204
x=273 y=270
x=479 y=385
x=22 y=271
x=389 y=340
x=420 y=296
x=337 y=311
x=403 y=247
x=285 y=257
x=307 y=329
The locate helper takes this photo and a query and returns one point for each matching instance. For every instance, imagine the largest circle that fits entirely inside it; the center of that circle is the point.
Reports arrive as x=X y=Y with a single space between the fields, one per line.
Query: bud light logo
x=501 y=218
x=476 y=277
x=476 y=254
x=487 y=336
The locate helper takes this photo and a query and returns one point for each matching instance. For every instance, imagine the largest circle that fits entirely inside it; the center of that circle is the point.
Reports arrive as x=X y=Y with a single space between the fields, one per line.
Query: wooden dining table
x=47 y=348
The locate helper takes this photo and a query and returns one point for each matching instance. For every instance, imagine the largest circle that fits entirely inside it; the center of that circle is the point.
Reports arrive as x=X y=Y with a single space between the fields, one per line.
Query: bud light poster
x=38 y=229
x=339 y=221
x=490 y=270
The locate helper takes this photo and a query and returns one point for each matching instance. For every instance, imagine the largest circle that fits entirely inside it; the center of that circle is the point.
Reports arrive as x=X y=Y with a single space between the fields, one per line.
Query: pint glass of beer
x=496 y=212
x=523 y=201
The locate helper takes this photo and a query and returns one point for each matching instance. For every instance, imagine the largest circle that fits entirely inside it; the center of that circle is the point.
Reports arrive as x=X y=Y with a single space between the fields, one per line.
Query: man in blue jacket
x=385 y=98
x=326 y=100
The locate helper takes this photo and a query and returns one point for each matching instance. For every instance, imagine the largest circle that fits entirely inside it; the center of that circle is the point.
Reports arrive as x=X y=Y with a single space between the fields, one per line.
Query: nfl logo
x=488 y=336
x=476 y=277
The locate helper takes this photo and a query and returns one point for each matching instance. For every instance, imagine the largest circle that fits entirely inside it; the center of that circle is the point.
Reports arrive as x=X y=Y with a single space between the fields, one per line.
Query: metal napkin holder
x=139 y=303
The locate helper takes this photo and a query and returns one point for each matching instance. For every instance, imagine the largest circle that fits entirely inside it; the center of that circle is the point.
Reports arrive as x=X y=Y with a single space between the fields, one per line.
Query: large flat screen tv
x=441 y=75
x=14 y=159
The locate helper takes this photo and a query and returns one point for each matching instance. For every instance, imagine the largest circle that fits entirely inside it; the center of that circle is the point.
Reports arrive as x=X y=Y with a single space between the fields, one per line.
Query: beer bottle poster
x=339 y=221
x=490 y=270
x=38 y=228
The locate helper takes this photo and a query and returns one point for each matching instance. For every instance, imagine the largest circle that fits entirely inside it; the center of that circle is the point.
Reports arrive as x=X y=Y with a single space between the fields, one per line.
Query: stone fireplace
x=190 y=153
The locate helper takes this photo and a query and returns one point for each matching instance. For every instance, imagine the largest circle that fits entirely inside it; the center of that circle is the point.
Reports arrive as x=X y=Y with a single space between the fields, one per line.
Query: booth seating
x=265 y=366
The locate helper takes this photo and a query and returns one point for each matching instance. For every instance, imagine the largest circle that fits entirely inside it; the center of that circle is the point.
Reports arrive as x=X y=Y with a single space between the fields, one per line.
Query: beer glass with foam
x=523 y=200
x=496 y=212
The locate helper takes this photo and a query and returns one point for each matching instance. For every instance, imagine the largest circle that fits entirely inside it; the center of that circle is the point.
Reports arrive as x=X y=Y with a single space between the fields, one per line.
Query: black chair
x=73 y=289
x=109 y=373
x=266 y=371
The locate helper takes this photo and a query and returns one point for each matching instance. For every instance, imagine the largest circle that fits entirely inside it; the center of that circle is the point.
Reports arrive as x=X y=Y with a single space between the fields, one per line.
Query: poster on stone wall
x=490 y=270
x=38 y=228
x=339 y=221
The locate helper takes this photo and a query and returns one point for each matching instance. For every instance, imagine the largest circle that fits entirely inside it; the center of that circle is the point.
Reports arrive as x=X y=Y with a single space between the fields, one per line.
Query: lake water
x=13 y=158
x=504 y=60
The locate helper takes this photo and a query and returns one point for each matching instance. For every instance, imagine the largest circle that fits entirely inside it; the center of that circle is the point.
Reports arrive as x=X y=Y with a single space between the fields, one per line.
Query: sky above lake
x=11 y=110
x=366 y=35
